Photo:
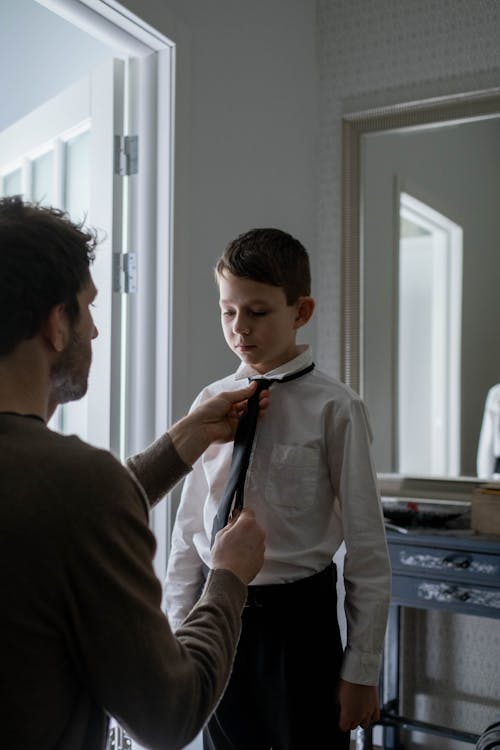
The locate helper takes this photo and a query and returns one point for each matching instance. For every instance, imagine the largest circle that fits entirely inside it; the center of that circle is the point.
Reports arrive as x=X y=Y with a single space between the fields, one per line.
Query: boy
x=312 y=485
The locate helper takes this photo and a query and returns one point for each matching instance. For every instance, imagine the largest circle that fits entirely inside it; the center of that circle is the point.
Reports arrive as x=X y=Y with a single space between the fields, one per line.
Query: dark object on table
x=417 y=513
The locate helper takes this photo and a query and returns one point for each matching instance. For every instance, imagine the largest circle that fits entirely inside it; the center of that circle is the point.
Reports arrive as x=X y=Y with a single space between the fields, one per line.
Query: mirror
x=421 y=277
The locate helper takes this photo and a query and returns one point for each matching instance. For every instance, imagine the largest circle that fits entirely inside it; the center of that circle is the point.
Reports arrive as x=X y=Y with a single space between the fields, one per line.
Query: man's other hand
x=239 y=546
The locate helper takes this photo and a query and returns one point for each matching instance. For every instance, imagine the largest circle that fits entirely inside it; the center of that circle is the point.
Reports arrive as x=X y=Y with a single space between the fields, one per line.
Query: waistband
x=279 y=594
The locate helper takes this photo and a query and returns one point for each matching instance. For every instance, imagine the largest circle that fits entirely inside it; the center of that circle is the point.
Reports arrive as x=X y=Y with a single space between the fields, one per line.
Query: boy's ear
x=55 y=328
x=305 y=309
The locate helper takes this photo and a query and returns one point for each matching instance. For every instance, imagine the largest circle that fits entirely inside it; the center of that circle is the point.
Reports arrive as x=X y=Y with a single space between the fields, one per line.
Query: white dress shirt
x=312 y=485
x=489 y=439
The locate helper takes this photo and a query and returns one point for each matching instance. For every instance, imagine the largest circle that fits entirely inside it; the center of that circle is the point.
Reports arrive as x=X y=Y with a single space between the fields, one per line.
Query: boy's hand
x=239 y=546
x=358 y=705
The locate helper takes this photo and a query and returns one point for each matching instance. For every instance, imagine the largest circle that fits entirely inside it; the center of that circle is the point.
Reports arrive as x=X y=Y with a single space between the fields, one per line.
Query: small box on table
x=485 y=509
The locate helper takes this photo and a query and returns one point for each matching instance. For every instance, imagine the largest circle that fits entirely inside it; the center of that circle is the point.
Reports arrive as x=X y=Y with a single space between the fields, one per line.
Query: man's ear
x=305 y=309
x=55 y=328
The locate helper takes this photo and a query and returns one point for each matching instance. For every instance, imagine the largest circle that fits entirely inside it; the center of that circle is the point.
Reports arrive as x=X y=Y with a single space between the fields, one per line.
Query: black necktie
x=242 y=448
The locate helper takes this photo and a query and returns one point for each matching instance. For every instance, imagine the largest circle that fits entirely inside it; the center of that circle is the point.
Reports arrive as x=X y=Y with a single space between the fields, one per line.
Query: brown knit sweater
x=81 y=631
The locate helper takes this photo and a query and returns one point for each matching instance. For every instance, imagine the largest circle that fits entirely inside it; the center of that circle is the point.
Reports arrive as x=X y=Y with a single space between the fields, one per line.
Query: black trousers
x=282 y=692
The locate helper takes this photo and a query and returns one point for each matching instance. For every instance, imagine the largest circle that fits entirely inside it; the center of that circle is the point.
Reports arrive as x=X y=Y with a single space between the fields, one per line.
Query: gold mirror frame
x=456 y=108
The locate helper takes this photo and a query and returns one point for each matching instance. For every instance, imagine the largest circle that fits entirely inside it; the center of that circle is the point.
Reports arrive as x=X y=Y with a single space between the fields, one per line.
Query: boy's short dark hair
x=270 y=256
x=44 y=261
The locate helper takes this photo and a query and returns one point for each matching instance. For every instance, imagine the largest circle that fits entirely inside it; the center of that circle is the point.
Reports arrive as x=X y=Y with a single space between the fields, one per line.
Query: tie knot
x=262 y=383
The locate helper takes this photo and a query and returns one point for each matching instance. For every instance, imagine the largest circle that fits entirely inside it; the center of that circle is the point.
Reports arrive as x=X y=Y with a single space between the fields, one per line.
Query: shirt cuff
x=361 y=668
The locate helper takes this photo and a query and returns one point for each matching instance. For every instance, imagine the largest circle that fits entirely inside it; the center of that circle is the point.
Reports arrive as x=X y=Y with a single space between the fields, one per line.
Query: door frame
x=148 y=391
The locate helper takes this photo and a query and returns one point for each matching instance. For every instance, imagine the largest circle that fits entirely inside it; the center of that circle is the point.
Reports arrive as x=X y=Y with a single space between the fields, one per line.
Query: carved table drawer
x=460 y=574
x=464 y=565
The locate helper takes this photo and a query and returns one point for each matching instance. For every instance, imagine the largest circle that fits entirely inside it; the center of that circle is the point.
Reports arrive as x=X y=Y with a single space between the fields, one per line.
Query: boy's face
x=258 y=325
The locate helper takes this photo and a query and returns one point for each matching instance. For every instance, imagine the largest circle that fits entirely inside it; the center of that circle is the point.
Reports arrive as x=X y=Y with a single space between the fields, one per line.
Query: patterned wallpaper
x=450 y=673
x=379 y=52
x=373 y=53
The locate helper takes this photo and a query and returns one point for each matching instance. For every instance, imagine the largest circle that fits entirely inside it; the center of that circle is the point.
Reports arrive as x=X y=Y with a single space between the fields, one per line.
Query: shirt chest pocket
x=292 y=477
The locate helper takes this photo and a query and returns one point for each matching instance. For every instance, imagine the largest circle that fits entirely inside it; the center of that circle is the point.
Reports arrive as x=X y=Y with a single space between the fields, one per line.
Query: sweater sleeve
x=161 y=688
x=158 y=468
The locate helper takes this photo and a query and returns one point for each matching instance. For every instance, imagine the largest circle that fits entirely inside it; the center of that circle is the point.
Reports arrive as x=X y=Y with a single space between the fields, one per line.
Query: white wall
x=245 y=154
x=40 y=55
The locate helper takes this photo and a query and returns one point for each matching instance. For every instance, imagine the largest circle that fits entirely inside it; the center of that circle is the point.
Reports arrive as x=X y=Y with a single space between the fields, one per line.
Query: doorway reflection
x=429 y=336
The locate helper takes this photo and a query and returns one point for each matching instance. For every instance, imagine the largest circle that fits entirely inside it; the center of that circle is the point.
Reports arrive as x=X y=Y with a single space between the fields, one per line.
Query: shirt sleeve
x=367 y=572
x=161 y=688
x=184 y=578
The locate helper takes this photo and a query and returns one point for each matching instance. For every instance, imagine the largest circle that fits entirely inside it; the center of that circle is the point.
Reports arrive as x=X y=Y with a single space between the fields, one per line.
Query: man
x=82 y=634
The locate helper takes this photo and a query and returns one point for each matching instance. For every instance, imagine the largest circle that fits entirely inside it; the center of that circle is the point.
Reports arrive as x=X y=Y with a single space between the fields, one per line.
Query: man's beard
x=70 y=374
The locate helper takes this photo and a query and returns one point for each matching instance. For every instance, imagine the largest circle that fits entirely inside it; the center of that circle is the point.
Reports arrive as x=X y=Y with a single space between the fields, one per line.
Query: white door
x=62 y=154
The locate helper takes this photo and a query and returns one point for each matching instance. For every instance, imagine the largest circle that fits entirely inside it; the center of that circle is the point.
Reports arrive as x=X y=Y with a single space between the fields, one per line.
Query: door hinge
x=124 y=272
x=126 y=155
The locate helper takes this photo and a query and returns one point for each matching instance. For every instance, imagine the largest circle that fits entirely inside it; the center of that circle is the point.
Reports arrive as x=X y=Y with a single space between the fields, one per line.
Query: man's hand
x=358 y=705
x=239 y=546
x=214 y=420
x=219 y=415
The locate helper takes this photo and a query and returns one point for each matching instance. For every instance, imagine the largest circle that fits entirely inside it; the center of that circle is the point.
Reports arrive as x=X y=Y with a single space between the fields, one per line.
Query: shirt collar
x=303 y=359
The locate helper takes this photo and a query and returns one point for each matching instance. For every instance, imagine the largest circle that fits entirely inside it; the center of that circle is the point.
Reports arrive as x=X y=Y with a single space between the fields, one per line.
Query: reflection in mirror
x=421 y=256
x=429 y=334
x=488 y=452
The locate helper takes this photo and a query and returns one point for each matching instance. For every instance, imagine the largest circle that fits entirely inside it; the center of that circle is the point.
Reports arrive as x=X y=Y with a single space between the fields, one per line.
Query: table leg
x=390 y=691
x=364 y=739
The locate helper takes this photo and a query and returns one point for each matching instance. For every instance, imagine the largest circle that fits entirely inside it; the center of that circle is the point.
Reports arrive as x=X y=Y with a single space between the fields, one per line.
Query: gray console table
x=433 y=570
